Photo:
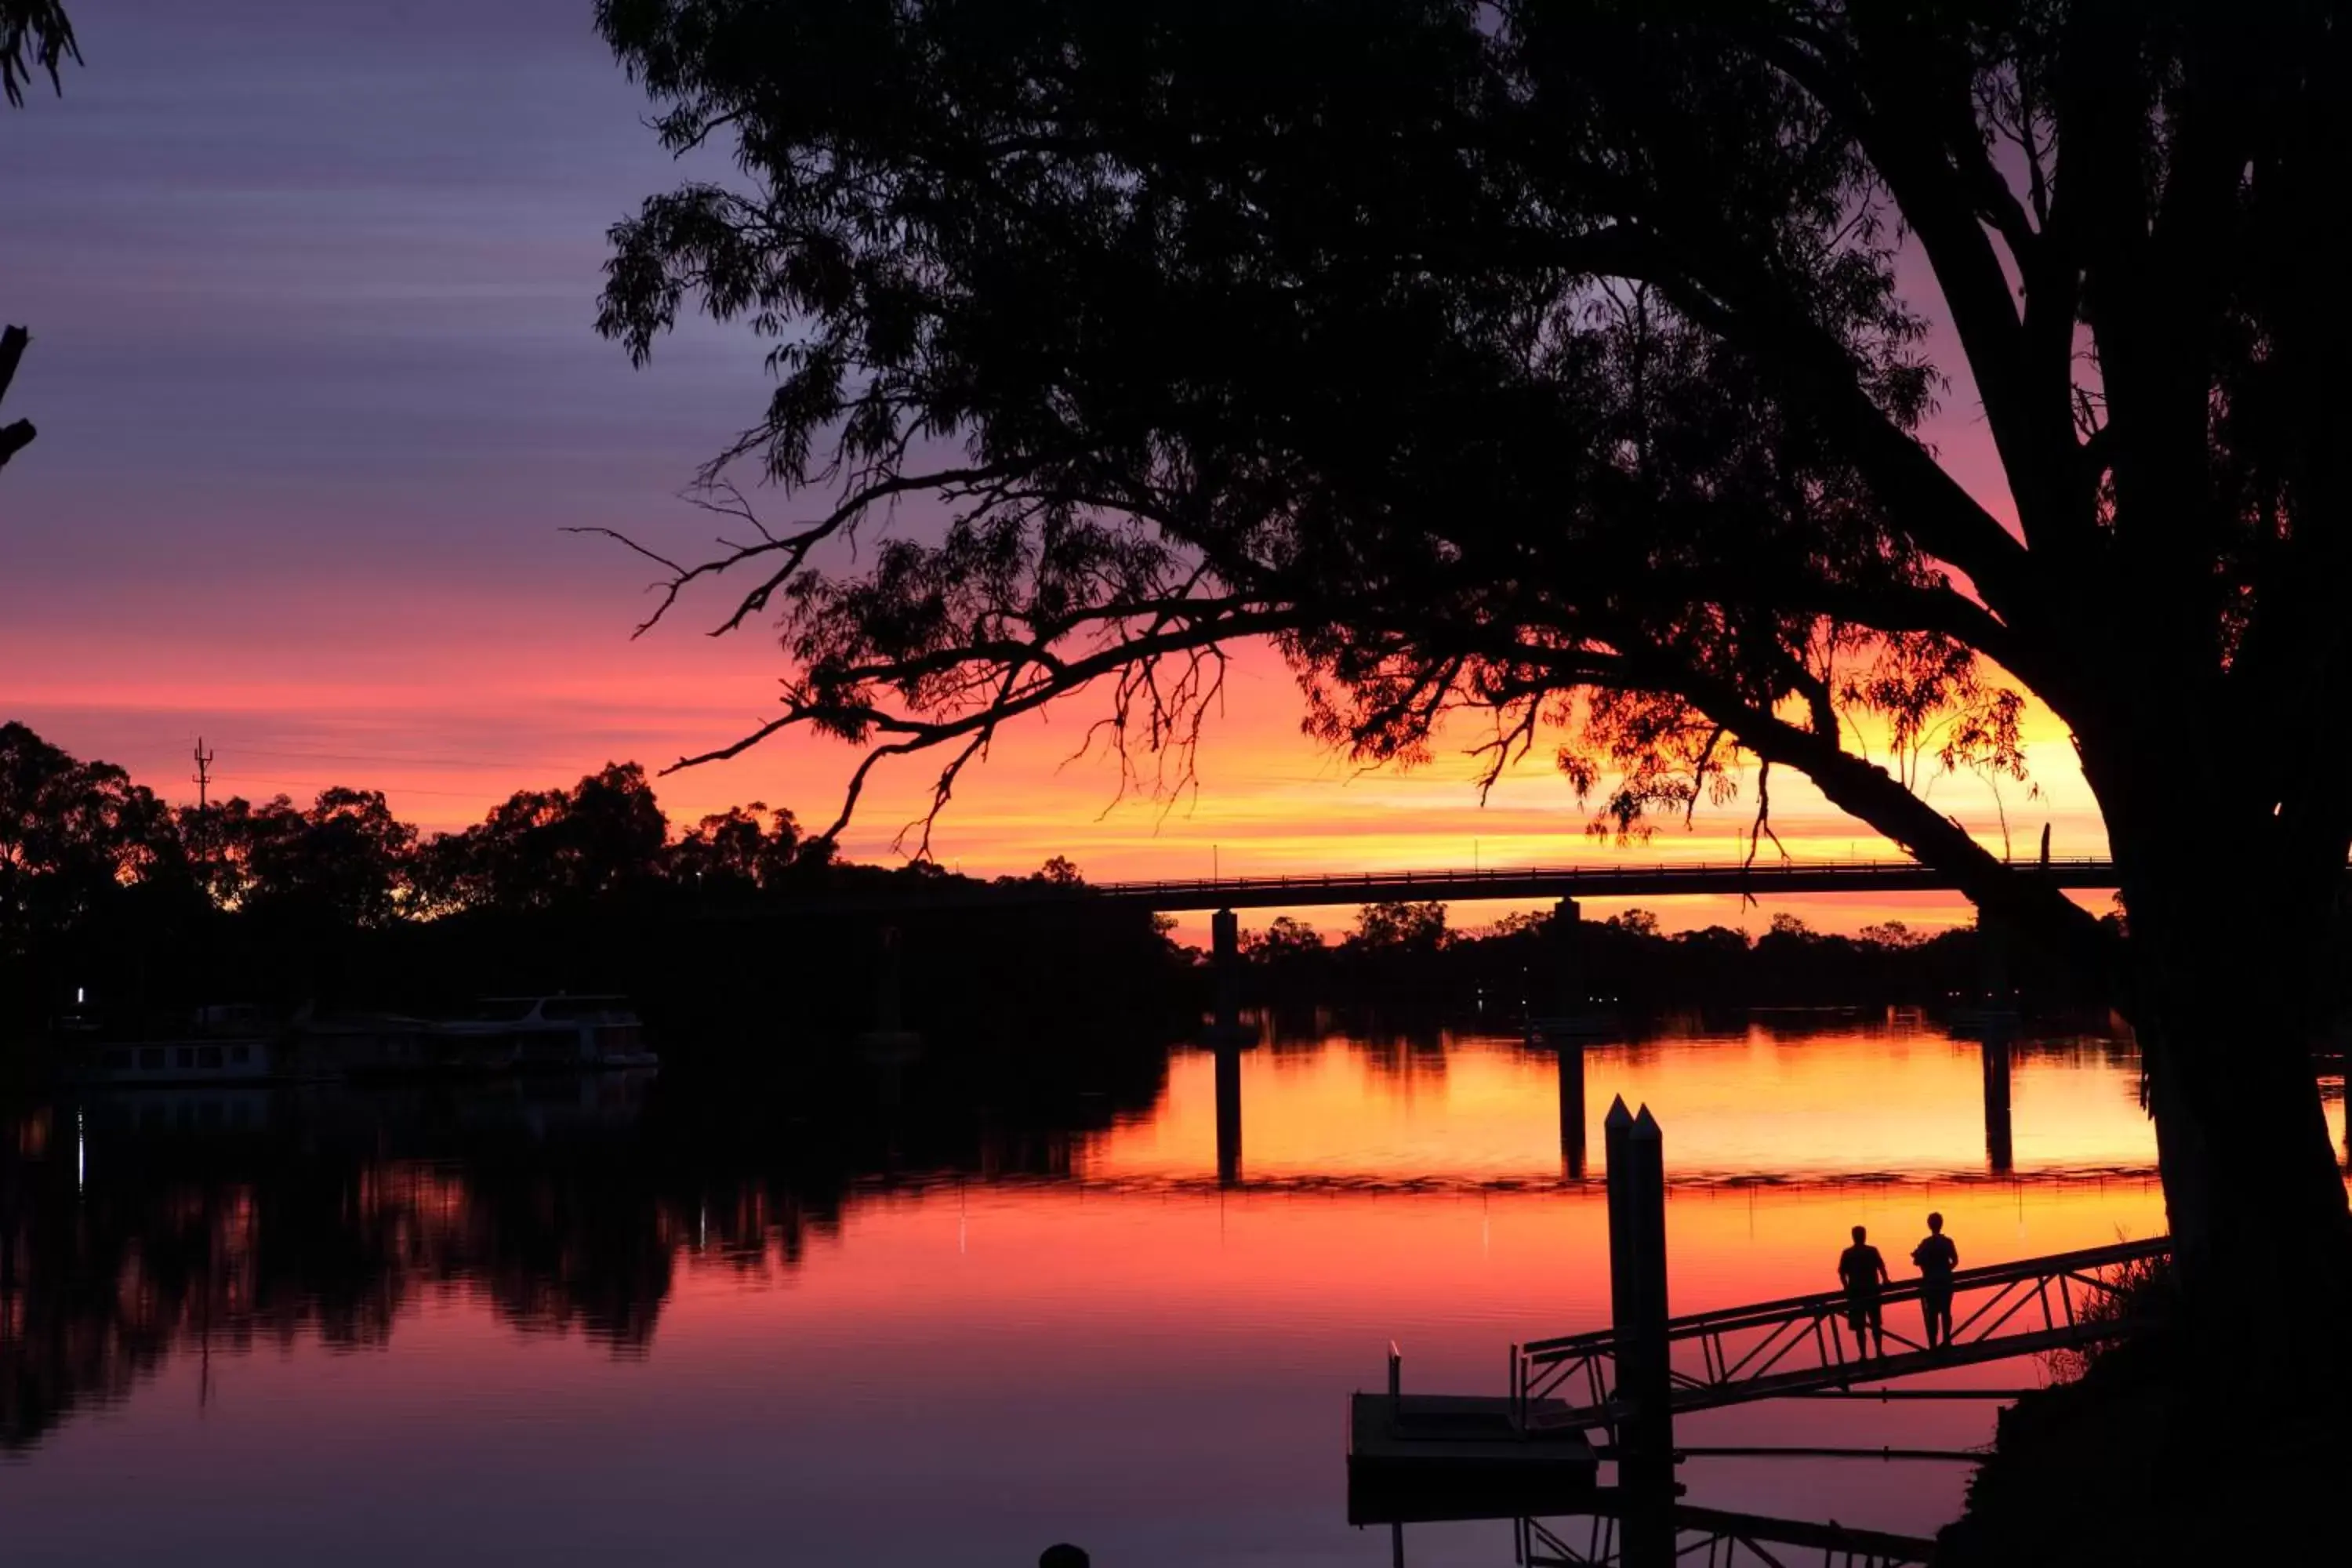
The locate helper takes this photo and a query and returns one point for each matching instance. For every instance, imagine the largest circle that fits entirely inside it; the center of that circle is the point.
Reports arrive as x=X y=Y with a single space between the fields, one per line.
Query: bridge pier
x=1571 y=996
x=1998 y=1156
x=1229 y=1116
x=1637 y=1292
x=1226 y=978
x=1996 y=987
x=1992 y=962
x=889 y=1028
x=1568 y=1007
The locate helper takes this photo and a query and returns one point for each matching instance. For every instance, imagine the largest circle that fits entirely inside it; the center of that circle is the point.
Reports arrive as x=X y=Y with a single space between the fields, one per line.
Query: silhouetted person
x=1864 y=1273
x=1937 y=1258
x=1062 y=1554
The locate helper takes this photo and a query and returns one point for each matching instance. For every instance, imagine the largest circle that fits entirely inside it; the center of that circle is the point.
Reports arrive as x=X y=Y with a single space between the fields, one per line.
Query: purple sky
x=312 y=287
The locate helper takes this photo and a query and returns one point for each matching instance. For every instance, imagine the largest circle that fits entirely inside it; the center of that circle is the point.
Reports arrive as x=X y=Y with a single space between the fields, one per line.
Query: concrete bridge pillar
x=889 y=1025
x=887 y=1017
x=1637 y=1291
x=1994 y=987
x=1571 y=995
x=1229 y=1115
x=1225 y=972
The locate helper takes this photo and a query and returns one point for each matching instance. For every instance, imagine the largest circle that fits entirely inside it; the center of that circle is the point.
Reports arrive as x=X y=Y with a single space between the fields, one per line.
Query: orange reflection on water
x=1829 y=1099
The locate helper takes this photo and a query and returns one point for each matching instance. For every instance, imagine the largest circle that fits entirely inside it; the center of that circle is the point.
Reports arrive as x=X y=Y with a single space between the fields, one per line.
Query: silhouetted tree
x=1399 y=929
x=17 y=435
x=1552 y=360
x=35 y=36
x=72 y=833
x=343 y=861
x=1284 y=938
x=543 y=848
x=735 y=849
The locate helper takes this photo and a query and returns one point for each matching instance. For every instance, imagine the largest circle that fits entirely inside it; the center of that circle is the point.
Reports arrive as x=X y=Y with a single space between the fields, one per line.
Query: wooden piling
x=1637 y=1291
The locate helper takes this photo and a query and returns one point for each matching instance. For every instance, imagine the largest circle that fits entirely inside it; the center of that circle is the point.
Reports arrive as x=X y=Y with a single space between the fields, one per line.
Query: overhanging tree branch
x=13 y=437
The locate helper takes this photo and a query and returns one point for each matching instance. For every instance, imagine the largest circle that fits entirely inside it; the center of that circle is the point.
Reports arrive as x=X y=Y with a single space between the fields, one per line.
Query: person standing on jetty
x=1863 y=1272
x=1937 y=1259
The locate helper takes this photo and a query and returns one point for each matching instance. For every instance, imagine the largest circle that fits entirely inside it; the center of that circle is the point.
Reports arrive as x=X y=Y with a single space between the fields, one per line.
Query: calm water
x=945 y=1311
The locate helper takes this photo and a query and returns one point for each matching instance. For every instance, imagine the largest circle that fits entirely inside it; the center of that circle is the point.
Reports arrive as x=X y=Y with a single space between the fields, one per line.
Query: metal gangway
x=1801 y=1345
x=1715 y=1537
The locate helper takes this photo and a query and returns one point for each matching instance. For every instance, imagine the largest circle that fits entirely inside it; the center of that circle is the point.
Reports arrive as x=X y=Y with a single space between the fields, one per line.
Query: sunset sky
x=311 y=290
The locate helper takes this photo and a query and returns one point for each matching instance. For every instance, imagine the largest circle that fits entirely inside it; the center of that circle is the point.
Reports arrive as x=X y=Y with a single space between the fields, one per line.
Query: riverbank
x=2149 y=1458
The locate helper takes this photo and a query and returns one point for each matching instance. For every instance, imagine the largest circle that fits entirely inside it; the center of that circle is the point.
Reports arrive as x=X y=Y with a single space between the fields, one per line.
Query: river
x=948 y=1307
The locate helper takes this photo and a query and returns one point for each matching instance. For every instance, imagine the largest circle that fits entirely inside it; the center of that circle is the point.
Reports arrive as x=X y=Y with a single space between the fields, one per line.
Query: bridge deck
x=1608 y=880
x=1526 y=883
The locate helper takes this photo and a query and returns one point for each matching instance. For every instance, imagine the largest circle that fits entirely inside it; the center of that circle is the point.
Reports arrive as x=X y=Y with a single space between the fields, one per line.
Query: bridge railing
x=1665 y=870
x=1800 y=1342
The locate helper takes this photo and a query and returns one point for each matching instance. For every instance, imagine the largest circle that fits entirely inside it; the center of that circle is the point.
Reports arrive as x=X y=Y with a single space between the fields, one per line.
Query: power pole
x=204 y=774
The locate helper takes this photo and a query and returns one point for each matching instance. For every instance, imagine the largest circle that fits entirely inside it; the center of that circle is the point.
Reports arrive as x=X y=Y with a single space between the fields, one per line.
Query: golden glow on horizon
x=492 y=701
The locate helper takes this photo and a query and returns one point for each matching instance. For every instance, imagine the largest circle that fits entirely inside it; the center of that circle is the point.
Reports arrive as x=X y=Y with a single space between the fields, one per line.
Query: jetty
x=1533 y=1451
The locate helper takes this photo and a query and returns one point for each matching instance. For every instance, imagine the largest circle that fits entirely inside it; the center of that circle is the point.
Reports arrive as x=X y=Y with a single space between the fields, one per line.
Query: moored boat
x=553 y=1032
x=233 y=1044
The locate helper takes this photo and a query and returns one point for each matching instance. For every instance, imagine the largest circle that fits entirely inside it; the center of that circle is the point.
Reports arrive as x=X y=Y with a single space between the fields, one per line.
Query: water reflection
x=1066 y=1295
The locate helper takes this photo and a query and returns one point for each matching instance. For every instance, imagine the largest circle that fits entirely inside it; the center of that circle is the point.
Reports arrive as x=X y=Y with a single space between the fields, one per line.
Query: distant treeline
x=1404 y=957
x=148 y=909
x=721 y=929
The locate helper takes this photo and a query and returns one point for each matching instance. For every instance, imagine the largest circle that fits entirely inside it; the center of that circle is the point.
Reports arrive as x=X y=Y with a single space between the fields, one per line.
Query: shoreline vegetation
x=2140 y=1453
x=148 y=910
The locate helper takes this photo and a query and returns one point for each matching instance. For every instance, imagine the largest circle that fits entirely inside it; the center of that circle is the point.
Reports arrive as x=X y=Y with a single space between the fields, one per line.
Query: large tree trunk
x=2223 y=955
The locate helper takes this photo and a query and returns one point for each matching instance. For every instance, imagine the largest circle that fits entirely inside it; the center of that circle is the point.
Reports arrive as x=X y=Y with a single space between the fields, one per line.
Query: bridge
x=1615 y=878
x=1609 y=880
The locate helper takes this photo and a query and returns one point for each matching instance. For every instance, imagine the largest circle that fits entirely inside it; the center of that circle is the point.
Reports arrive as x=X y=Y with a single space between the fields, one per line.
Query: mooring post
x=1229 y=1114
x=1226 y=963
x=1637 y=1291
x=1571 y=1106
x=1995 y=1052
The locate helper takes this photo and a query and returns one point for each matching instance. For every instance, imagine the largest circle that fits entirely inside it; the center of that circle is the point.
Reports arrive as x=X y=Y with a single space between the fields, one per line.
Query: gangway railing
x=1717 y=1538
x=1798 y=1344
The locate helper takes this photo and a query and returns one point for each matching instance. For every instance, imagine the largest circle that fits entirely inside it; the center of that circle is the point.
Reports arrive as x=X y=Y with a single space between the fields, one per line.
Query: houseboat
x=555 y=1032
x=232 y=1044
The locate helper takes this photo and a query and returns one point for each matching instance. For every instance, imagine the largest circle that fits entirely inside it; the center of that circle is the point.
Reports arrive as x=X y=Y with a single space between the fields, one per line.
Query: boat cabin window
x=240 y=1054
x=208 y=1055
x=188 y=1056
x=114 y=1061
x=151 y=1058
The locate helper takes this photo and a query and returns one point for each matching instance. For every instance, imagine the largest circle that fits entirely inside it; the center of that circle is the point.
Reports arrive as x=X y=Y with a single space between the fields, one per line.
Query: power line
x=408 y=759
